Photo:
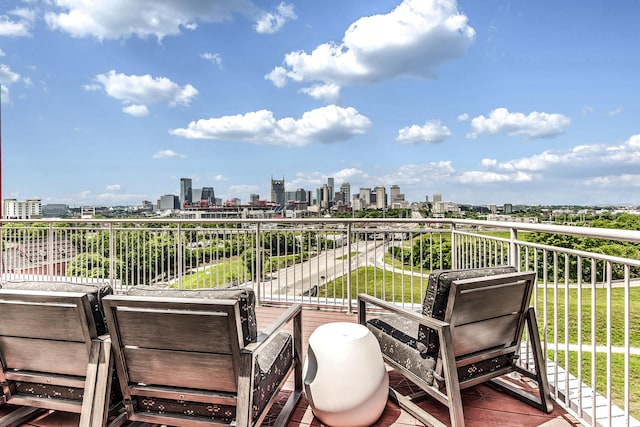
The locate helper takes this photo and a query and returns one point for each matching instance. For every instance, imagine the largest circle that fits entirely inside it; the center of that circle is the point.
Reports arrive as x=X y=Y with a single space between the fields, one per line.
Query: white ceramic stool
x=345 y=379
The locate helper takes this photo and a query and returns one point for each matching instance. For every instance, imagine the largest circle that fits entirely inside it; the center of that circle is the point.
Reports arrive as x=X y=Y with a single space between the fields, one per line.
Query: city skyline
x=522 y=102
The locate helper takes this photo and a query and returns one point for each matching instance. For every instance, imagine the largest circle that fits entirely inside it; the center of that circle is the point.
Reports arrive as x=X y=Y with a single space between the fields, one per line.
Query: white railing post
x=349 y=275
x=454 y=249
x=50 y=257
x=258 y=270
x=112 y=256
x=513 y=248
x=180 y=270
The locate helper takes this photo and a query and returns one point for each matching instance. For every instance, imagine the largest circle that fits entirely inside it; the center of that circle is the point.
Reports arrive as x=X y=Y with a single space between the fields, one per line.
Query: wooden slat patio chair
x=195 y=358
x=478 y=339
x=54 y=352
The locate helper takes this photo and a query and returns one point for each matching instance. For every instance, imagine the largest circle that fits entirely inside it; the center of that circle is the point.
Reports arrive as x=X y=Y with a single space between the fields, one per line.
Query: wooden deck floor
x=483 y=405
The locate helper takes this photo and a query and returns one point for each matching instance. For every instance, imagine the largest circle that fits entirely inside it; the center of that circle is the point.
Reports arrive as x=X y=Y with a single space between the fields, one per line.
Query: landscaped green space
x=222 y=274
x=617 y=375
x=383 y=284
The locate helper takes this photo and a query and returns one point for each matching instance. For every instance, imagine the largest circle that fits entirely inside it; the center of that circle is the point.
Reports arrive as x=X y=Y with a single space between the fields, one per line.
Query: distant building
x=39 y=256
x=397 y=198
x=345 y=189
x=277 y=191
x=208 y=195
x=186 y=193
x=381 y=197
x=331 y=186
x=168 y=202
x=55 y=210
x=28 y=209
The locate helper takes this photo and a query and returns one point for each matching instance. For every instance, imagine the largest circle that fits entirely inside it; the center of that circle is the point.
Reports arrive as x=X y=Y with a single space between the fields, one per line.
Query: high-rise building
x=168 y=202
x=345 y=189
x=277 y=191
x=331 y=187
x=325 y=197
x=381 y=197
x=365 y=198
x=437 y=197
x=185 y=191
x=14 y=209
x=208 y=195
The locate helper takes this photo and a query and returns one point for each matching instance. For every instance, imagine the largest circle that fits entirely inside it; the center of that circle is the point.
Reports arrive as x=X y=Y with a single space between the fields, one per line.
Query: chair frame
x=35 y=348
x=242 y=357
x=460 y=349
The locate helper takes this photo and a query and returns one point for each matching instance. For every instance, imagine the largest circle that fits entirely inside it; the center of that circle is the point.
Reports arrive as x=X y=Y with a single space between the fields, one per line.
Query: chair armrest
x=364 y=299
x=293 y=312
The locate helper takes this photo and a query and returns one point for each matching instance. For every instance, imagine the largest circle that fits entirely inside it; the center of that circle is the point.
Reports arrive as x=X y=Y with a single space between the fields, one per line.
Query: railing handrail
x=580 y=231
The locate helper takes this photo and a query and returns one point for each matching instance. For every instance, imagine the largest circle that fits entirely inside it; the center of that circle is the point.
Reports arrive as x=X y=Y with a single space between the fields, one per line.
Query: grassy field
x=221 y=274
x=617 y=375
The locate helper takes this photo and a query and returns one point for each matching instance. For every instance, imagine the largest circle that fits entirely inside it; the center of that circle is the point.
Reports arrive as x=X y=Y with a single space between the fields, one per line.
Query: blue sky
x=486 y=102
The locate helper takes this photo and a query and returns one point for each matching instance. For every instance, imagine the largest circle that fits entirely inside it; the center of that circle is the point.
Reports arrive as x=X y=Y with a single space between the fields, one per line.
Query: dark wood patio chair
x=54 y=352
x=477 y=339
x=195 y=358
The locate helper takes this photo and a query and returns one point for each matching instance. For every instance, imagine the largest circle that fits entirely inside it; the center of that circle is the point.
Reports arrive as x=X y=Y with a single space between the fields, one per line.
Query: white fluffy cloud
x=484 y=177
x=7 y=77
x=136 y=92
x=586 y=158
x=116 y=19
x=167 y=154
x=325 y=92
x=414 y=39
x=430 y=133
x=136 y=110
x=325 y=125
x=272 y=22
x=18 y=24
x=212 y=57
x=534 y=125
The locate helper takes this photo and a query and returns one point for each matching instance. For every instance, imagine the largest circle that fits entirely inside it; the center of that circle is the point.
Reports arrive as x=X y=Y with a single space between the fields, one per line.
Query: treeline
x=144 y=256
x=428 y=254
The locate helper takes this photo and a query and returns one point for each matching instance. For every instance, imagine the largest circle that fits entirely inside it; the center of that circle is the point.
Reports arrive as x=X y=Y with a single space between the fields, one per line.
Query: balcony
x=587 y=300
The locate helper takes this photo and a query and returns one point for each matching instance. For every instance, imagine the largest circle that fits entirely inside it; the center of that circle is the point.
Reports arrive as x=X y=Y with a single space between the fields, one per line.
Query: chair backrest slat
x=45 y=356
x=488 y=312
x=184 y=369
x=45 y=315
x=175 y=330
x=485 y=335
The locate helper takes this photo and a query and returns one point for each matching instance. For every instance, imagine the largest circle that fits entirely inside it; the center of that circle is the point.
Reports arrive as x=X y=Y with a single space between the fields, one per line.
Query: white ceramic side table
x=345 y=379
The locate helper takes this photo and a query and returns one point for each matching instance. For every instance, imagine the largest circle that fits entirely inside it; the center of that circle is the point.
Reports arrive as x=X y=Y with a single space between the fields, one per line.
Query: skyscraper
x=331 y=186
x=277 y=191
x=185 y=191
x=345 y=189
x=381 y=197
x=208 y=194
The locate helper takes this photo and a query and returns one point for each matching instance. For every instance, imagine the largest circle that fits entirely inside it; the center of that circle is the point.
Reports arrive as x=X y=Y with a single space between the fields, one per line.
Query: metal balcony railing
x=587 y=300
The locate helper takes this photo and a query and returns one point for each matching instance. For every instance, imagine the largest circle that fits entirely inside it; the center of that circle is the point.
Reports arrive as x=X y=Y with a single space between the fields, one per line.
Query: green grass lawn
x=222 y=274
x=380 y=283
x=617 y=375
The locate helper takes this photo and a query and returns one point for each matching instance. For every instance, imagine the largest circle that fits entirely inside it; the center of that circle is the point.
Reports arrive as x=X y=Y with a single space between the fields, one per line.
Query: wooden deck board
x=483 y=405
